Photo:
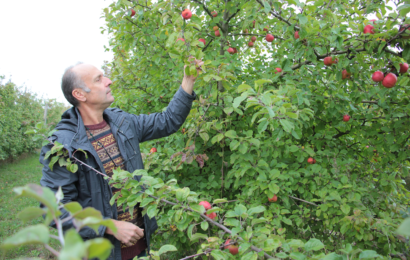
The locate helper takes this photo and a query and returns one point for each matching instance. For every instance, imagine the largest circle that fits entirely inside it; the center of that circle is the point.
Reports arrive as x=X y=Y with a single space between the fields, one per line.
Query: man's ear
x=79 y=94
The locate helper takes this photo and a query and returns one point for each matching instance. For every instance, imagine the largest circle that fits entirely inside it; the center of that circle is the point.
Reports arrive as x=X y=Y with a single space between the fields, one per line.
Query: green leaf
x=297 y=256
x=332 y=256
x=30 y=213
x=204 y=225
x=41 y=194
x=313 y=245
x=302 y=19
x=74 y=247
x=231 y=134
x=404 y=228
x=53 y=160
x=267 y=7
x=255 y=210
x=182 y=194
x=198 y=208
x=243 y=87
x=218 y=255
x=88 y=212
x=204 y=136
x=167 y=248
x=237 y=101
x=98 y=248
x=345 y=209
x=37 y=234
x=151 y=211
x=198 y=236
x=287 y=125
x=369 y=254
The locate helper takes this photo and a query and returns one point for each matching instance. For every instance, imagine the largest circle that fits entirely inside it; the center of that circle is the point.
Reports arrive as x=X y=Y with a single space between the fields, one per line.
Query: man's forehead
x=86 y=70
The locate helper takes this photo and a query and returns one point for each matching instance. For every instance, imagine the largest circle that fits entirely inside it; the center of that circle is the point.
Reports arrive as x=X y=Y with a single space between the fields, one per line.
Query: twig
x=311 y=203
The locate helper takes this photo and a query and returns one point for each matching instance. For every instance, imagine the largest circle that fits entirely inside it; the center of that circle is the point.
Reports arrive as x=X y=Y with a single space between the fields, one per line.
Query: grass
x=19 y=173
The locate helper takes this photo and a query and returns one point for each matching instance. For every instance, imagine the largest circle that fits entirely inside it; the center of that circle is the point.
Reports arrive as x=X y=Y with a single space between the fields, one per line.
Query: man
x=111 y=138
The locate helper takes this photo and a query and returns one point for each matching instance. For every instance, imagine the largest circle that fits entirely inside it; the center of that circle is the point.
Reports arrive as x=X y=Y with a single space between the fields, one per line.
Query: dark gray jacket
x=91 y=189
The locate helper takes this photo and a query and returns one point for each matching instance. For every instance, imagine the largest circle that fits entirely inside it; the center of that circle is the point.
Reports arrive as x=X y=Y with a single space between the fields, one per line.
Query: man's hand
x=198 y=64
x=127 y=232
x=188 y=81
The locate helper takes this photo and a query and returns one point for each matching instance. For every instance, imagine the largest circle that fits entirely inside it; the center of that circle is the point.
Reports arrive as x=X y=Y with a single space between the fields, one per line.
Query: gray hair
x=70 y=82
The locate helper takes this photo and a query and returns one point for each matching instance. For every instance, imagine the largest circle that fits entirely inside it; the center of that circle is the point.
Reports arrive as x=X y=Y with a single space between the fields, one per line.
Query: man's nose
x=108 y=82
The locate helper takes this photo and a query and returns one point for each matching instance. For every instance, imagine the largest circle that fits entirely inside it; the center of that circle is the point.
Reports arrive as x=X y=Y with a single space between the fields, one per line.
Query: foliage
x=258 y=127
x=19 y=110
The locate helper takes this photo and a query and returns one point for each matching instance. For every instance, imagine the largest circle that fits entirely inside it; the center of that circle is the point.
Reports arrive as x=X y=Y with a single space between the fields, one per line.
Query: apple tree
x=302 y=115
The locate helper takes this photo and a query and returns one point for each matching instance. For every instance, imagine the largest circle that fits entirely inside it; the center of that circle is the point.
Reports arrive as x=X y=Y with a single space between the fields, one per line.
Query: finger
x=140 y=232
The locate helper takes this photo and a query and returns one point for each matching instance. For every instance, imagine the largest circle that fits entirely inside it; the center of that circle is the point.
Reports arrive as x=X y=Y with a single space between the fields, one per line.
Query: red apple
x=233 y=249
x=132 y=13
x=235 y=50
x=297 y=35
x=314 y=161
x=245 y=31
x=214 y=13
x=217 y=33
x=368 y=29
x=254 y=23
x=405 y=35
x=378 y=76
x=278 y=70
x=231 y=50
x=203 y=41
x=373 y=20
x=273 y=199
x=269 y=37
x=266 y=28
x=345 y=74
x=404 y=67
x=328 y=61
x=310 y=160
x=250 y=44
x=180 y=39
x=253 y=39
x=153 y=150
x=346 y=118
x=186 y=14
x=211 y=215
x=390 y=80
x=205 y=204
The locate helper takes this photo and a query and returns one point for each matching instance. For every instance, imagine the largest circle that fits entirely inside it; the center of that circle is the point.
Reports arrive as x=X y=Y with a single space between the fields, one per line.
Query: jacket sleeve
x=60 y=176
x=163 y=124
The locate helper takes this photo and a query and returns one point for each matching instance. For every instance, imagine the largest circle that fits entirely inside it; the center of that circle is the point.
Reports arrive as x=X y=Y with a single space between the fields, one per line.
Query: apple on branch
x=378 y=76
x=205 y=204
x=278 y=70
x=214 y=13
x=390 y=80
x=345 y=74
x=269 y=38
x=233 y=249
x=132 y=13
x=368 y=29
x=203 y=41
x=231 y=50
x=153 y=150
x=250 y=44
x=253 y=38
x=404 y=67
x=297 y=35
x=215 y=28
x=273 y=199
x=217 y=33
x=186 y=14
x=346 y=118
x=328 y=61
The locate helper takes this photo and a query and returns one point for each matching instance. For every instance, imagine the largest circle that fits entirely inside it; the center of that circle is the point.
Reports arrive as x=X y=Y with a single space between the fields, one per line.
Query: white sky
x=40 y=39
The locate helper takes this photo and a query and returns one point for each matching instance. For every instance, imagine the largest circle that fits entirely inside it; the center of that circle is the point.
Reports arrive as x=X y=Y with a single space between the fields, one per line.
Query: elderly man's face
x=100 y=94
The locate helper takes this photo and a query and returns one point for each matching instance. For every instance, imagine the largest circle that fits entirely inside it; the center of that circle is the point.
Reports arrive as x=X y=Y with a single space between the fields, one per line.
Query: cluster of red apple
x=310 y=160
x=208 y=206
x=390 y=79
